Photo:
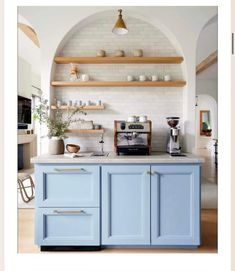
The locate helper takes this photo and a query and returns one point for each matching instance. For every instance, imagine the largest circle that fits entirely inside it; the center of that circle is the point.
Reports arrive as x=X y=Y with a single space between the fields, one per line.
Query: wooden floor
x=208 y=231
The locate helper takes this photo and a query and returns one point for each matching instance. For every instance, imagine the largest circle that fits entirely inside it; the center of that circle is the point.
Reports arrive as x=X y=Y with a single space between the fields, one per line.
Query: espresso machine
x=173 y=144
x=132 y=138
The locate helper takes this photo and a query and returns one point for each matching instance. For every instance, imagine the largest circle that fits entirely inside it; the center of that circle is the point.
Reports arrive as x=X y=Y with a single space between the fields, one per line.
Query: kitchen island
x=99 y=201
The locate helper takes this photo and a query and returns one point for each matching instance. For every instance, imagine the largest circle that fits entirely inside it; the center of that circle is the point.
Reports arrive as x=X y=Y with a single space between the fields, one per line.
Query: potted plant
x=57 y=124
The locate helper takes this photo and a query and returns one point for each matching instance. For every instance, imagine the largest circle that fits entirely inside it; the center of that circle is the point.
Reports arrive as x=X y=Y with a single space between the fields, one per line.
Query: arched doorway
x=206 y=110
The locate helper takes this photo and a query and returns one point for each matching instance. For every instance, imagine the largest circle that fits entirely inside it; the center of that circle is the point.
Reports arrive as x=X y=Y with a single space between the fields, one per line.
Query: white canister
x=143 y=118
x=58 y=103
x=154 y=77
x=132 y=119
x=99 y=103
x=88 y=103
x=130 y=78
x=167 y=77
x=138 y=52
x=142 y=77
x=85 y=77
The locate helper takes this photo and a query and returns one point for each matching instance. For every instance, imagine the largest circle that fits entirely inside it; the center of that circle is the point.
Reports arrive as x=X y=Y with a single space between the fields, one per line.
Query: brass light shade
x=120 y=27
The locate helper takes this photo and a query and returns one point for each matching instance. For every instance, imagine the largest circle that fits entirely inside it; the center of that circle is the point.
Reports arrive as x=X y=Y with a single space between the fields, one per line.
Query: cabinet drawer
x=67 y=185
x=67 y=226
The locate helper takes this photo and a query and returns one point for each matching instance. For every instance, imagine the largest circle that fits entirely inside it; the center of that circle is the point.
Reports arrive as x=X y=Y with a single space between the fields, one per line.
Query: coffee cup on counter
x=132 y=119
x=143 y=118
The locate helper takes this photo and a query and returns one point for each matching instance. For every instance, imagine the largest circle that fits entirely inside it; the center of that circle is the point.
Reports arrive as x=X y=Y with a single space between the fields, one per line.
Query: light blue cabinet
x=67 y=185
x=125 y=205
x=128 y=205
x=175 y=205
x=163 y=198
x=67 y=205
x=67 y=226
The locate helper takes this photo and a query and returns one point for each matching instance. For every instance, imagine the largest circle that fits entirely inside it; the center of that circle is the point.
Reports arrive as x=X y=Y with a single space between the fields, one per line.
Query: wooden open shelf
x=88 y=107
x=176 y=83
x=119 y=60
x=84 y=131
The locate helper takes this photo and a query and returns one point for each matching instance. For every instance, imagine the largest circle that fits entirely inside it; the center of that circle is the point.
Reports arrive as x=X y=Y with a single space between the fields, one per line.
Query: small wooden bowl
x=72 y=148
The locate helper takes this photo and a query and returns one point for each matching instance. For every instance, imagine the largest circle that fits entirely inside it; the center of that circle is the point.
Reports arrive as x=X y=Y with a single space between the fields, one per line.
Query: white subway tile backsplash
x=121 y=102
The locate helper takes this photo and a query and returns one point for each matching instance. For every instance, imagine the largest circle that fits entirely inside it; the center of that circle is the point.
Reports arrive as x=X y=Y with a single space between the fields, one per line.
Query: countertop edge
x=161 y=158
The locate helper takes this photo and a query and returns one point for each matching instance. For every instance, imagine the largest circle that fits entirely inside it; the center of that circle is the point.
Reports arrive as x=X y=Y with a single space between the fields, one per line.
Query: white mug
x=88 y=103
x=154 y=77
x=167 y=77
x=132 y=119
x=143 y=118
x=142 y=77
x=130 y=78
x=85 y=77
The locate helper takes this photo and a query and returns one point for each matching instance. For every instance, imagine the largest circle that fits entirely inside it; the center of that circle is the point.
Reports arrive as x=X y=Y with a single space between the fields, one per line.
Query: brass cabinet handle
x=70 y=169
x=69 y=212
x=151 y=172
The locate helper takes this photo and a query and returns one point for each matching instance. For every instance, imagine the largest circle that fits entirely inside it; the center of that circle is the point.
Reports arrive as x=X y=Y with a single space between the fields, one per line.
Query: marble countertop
x=112 y=158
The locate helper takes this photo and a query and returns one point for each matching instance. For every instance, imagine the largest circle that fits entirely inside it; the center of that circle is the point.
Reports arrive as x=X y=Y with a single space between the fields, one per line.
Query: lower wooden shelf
x=175 y=83
x=85 y=131
x=87 y=107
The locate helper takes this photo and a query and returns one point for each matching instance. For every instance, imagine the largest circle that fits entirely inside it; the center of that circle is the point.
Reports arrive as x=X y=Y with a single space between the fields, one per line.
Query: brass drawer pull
x=69 y=212
x=70 y=169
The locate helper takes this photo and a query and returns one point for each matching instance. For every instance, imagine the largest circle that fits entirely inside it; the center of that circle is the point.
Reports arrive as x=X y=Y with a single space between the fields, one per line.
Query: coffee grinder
x=173 y=144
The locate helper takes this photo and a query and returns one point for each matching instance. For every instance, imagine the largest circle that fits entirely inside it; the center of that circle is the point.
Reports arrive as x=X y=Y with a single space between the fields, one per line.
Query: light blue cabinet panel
x=67 y=185
x=67 y=226
x=175 y=205
x=125 y=205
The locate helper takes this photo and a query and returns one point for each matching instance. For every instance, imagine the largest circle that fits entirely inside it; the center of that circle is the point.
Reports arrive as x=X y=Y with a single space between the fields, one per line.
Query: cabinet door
x=175 y=205
x=67 y=185
x=67 y=226
x=125 y=205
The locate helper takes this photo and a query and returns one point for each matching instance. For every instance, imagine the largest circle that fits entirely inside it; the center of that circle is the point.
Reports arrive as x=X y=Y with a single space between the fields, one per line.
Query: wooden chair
x=26 y=196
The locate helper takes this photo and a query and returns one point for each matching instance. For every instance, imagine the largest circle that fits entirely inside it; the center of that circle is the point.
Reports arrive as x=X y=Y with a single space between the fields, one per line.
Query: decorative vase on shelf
x=56 y=145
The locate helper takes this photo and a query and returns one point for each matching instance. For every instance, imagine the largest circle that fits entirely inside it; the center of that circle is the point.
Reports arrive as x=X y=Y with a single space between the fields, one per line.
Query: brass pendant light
x=120 y=27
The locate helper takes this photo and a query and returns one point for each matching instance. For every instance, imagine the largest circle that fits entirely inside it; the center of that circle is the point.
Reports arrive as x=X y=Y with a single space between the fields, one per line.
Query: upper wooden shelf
x=176 y=83
x=119 y=60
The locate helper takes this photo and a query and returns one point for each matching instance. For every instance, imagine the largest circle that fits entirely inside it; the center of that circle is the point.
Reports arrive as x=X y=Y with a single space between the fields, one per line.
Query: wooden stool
x=22 y=187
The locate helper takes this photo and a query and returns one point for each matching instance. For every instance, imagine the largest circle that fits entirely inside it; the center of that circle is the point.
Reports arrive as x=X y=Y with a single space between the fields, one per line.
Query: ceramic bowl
x=72 y=148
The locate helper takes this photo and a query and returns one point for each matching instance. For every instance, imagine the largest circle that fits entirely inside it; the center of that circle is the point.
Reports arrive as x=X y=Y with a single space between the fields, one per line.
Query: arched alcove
x=94 y=34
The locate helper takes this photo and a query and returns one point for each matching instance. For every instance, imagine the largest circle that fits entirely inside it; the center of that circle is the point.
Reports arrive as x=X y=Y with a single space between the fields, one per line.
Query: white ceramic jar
x=130 y=78
x=143 y=118
x=167 y=77
x=142 y=77
x=154 y=77
x=85 y=77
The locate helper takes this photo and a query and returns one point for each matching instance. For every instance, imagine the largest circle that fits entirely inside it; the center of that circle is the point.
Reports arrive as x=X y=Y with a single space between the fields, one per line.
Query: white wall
x=207 y=82
x=181 y=25
x=207 y=86
x=208 y=40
